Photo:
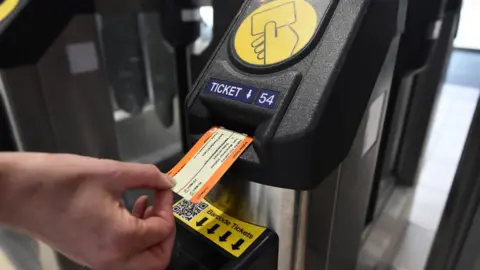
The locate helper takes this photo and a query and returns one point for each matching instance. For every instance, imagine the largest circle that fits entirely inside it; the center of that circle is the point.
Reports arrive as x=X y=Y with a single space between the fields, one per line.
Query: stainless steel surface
x=301 y=231
x=282 y=210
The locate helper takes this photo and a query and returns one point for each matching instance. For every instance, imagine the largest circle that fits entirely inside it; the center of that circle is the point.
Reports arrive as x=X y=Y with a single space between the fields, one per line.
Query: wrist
x=5 y=186
x=11 y=187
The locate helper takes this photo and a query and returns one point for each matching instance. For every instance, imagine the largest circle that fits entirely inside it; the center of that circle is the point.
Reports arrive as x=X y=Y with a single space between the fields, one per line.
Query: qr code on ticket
x=188 y=210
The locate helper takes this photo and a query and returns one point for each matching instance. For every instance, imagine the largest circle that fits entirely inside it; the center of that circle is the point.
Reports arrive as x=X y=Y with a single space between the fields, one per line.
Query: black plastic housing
x=324 y=93
x=175 y=30
x=421 y=33
x=28 y=32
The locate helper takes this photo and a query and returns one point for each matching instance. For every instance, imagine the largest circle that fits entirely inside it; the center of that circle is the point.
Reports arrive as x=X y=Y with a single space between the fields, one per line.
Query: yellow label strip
x=205 y=164
x=232 y=235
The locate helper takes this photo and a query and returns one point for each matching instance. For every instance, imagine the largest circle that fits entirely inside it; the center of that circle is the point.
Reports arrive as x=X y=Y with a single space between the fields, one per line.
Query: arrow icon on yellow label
x=213 y=229
x=237 y=245
x=201 y=222
x=224 y=237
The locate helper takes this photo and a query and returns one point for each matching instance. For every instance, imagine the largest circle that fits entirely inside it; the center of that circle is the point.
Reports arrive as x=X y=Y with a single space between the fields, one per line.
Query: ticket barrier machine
x=309 y=80
x=314 y=102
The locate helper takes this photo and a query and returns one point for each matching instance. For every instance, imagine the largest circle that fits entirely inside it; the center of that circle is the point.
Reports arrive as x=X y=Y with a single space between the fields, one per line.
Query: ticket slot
x=248 y=117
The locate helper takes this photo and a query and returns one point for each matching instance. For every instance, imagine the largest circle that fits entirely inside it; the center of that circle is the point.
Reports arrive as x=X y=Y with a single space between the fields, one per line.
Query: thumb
x=134 y=176
x=160 y=225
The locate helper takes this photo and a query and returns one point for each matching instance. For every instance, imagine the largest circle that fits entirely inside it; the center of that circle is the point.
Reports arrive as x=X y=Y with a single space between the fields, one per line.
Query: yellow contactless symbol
x=275 y=32
x=6 y=8
x=231 y=234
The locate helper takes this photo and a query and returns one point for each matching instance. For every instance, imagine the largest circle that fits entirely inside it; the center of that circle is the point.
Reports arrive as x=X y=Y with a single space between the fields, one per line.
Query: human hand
x=73 y=204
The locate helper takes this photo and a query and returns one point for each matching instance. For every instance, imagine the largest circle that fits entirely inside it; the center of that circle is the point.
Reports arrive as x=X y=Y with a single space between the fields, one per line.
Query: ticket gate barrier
x=424 y=23
x=416 y=88
x=309 y=81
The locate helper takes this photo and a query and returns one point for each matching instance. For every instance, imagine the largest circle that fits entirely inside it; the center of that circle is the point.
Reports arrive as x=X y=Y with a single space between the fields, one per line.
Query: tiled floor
x=449 y=131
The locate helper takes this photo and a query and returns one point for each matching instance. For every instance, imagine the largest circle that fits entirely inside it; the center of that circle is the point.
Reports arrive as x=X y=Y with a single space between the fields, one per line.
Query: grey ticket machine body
x=309 y=81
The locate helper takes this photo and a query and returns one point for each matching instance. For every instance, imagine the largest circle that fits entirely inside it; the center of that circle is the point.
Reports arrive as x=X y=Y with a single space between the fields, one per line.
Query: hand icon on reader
x=275 y=32
x=275 y=40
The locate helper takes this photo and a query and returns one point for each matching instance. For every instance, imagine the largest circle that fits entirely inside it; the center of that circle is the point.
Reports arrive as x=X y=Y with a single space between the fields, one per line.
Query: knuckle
x=151 y=170
x=111 y=166
x=111 y=169
x=170 y=227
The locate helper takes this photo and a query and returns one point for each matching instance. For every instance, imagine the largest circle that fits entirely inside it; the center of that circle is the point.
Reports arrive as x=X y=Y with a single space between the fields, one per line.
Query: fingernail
x=172 y=181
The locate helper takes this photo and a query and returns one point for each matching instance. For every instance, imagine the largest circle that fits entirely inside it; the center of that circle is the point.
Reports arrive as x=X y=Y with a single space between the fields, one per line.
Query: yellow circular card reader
x=275 y=32
x=6 y=7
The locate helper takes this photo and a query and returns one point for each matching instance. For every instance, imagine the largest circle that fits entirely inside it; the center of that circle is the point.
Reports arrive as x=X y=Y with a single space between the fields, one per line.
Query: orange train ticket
x=205 y=164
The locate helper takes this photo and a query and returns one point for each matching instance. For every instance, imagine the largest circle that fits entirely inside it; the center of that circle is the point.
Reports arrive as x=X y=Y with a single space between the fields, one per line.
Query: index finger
x=133 y=176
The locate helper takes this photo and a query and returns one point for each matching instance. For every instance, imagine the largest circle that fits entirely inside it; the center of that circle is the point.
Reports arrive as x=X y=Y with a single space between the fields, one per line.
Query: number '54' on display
x=267 y=99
